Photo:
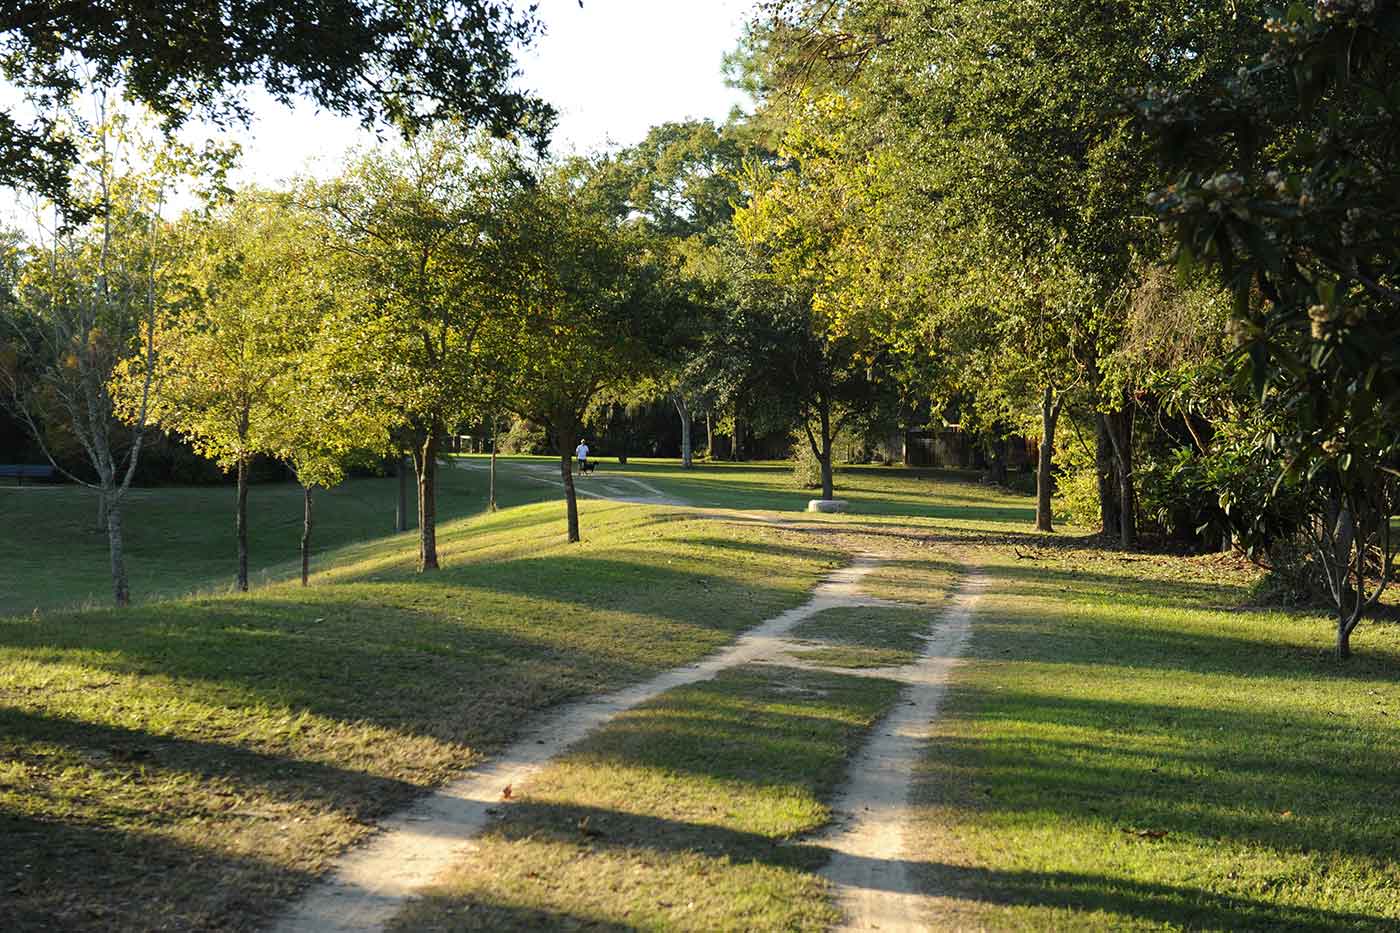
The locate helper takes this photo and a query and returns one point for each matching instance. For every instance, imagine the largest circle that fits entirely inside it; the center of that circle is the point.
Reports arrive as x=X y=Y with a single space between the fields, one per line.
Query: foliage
x=408 y=63
x=1285 y=187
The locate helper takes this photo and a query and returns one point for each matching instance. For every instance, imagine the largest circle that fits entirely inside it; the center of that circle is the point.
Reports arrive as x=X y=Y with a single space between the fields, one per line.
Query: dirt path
x=594 y=485
x=869 y=865
x=372 y=882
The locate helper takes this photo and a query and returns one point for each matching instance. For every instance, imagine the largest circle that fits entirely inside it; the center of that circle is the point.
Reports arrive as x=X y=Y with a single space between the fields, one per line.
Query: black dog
x=586 y=466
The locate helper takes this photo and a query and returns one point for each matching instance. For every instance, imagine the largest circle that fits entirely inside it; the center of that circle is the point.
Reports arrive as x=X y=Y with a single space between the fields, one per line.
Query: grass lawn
x=683 y=814
x=180 y=539
x=864 y=636
x=191 y=763
x=1122 y=752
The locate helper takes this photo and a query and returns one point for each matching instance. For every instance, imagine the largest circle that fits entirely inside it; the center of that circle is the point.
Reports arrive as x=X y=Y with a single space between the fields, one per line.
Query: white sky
x=612 y=69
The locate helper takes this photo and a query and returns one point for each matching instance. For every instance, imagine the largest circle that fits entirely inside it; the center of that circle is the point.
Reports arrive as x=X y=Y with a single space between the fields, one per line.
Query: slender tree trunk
x=101 y=511
x=305 y=534
x=1120 y=432
x=1045 y=476
x=491 y=484
x=1106 y=466
x=823 y=451
x=401 y=507
x=567 y=441
x=121 y=590
x=241 y=523
x=687 y=450
x=737 y=439
x=709 y=435
x=425 y=463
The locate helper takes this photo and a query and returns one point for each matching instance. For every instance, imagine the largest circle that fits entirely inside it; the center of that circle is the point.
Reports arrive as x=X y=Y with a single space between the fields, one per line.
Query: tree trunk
x=1120 y=432
x=121 y=590
x=737 y=439
x=101 y=511
x=491 y=483
x=305 y=534
x=401 y=507
x=241 y=523
x=709 y=435
x=687 y=451
x=1045 y=477
x=823 y=452
x=566 y=439
x=1106 y=466
x=425 y=463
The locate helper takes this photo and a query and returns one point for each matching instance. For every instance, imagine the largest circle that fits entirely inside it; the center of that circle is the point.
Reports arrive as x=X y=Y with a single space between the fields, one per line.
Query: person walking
x=581 y=452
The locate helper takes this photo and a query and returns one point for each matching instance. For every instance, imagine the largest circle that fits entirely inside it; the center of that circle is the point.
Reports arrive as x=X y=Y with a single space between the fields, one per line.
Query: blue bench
x=23 y=471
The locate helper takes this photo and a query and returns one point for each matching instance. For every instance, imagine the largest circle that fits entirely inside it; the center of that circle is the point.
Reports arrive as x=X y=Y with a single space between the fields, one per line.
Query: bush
x=806 y=468
x=1077 y=485
x=524 y=437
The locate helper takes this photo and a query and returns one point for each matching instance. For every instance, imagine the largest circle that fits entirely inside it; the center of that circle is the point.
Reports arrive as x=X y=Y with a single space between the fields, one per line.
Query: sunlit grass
x=1124 y=753
x=230 y=746
x=682 y=814
x=864 y=636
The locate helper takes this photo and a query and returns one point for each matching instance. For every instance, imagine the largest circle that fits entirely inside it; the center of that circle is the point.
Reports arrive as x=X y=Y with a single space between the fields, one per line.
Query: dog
x=586 y=466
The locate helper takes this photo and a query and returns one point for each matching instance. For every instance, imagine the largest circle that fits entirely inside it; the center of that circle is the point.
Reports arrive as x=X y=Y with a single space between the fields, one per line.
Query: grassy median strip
x=864 y=636
x=683 y=814
x=192 y=763
x=1122 y=751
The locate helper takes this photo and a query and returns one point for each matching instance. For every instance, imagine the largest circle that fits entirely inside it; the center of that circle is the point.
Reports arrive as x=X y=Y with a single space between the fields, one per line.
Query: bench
x=23 y=471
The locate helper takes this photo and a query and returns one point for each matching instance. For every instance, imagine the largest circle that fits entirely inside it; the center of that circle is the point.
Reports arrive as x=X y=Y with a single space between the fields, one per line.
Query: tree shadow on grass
x=57 y=875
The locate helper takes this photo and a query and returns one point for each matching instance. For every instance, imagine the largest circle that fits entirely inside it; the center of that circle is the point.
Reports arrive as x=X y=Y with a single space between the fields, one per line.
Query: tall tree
x=1285 y=184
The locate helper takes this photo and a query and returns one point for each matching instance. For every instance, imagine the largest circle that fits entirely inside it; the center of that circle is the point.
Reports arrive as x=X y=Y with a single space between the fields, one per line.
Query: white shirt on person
x=581 y=452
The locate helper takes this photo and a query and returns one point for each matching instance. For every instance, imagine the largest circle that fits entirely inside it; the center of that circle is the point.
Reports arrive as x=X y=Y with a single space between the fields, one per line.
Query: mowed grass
x=1123 y=752
x=193 y=763
x=878 y=491
x=863 y=636
x=683 y=814
x=181 y=539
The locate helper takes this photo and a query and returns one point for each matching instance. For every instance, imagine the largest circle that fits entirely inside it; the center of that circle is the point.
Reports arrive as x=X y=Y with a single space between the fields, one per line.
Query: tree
x=88 y=304
x=588 y=307
x=1285 y=186
x=409 y=62
x=425 y=237
x=223 y=356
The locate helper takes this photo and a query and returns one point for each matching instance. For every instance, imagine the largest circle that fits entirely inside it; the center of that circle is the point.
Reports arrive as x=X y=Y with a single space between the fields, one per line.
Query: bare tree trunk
x=305 y=534
x=1045 y=477
x=425 y=462
x=686 y=450
x=491 y=483
x=1106 y=466
x=121 y=590
x=566 y=438
x=687 y=454
x=401 y=507
x=822 y=450
x=709 y=435
x=1120 y=432
x=101 y=525
x=241 y=522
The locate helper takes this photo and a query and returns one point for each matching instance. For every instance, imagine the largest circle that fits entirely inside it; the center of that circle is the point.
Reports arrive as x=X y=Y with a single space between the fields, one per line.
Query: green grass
x=181 y=539
x=872 y=490
x=1122 y=752
x=684 y=814
x=864 y=636
x=194 y=762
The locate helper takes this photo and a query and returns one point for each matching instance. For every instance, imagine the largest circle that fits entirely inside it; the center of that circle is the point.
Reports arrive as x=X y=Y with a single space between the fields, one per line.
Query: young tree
x=587 y=311
x=250 y=303
x=426 y=237
x=89 y=300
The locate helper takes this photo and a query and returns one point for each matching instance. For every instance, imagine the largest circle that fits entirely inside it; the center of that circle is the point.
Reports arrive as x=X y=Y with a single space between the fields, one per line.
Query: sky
x=612 y=69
